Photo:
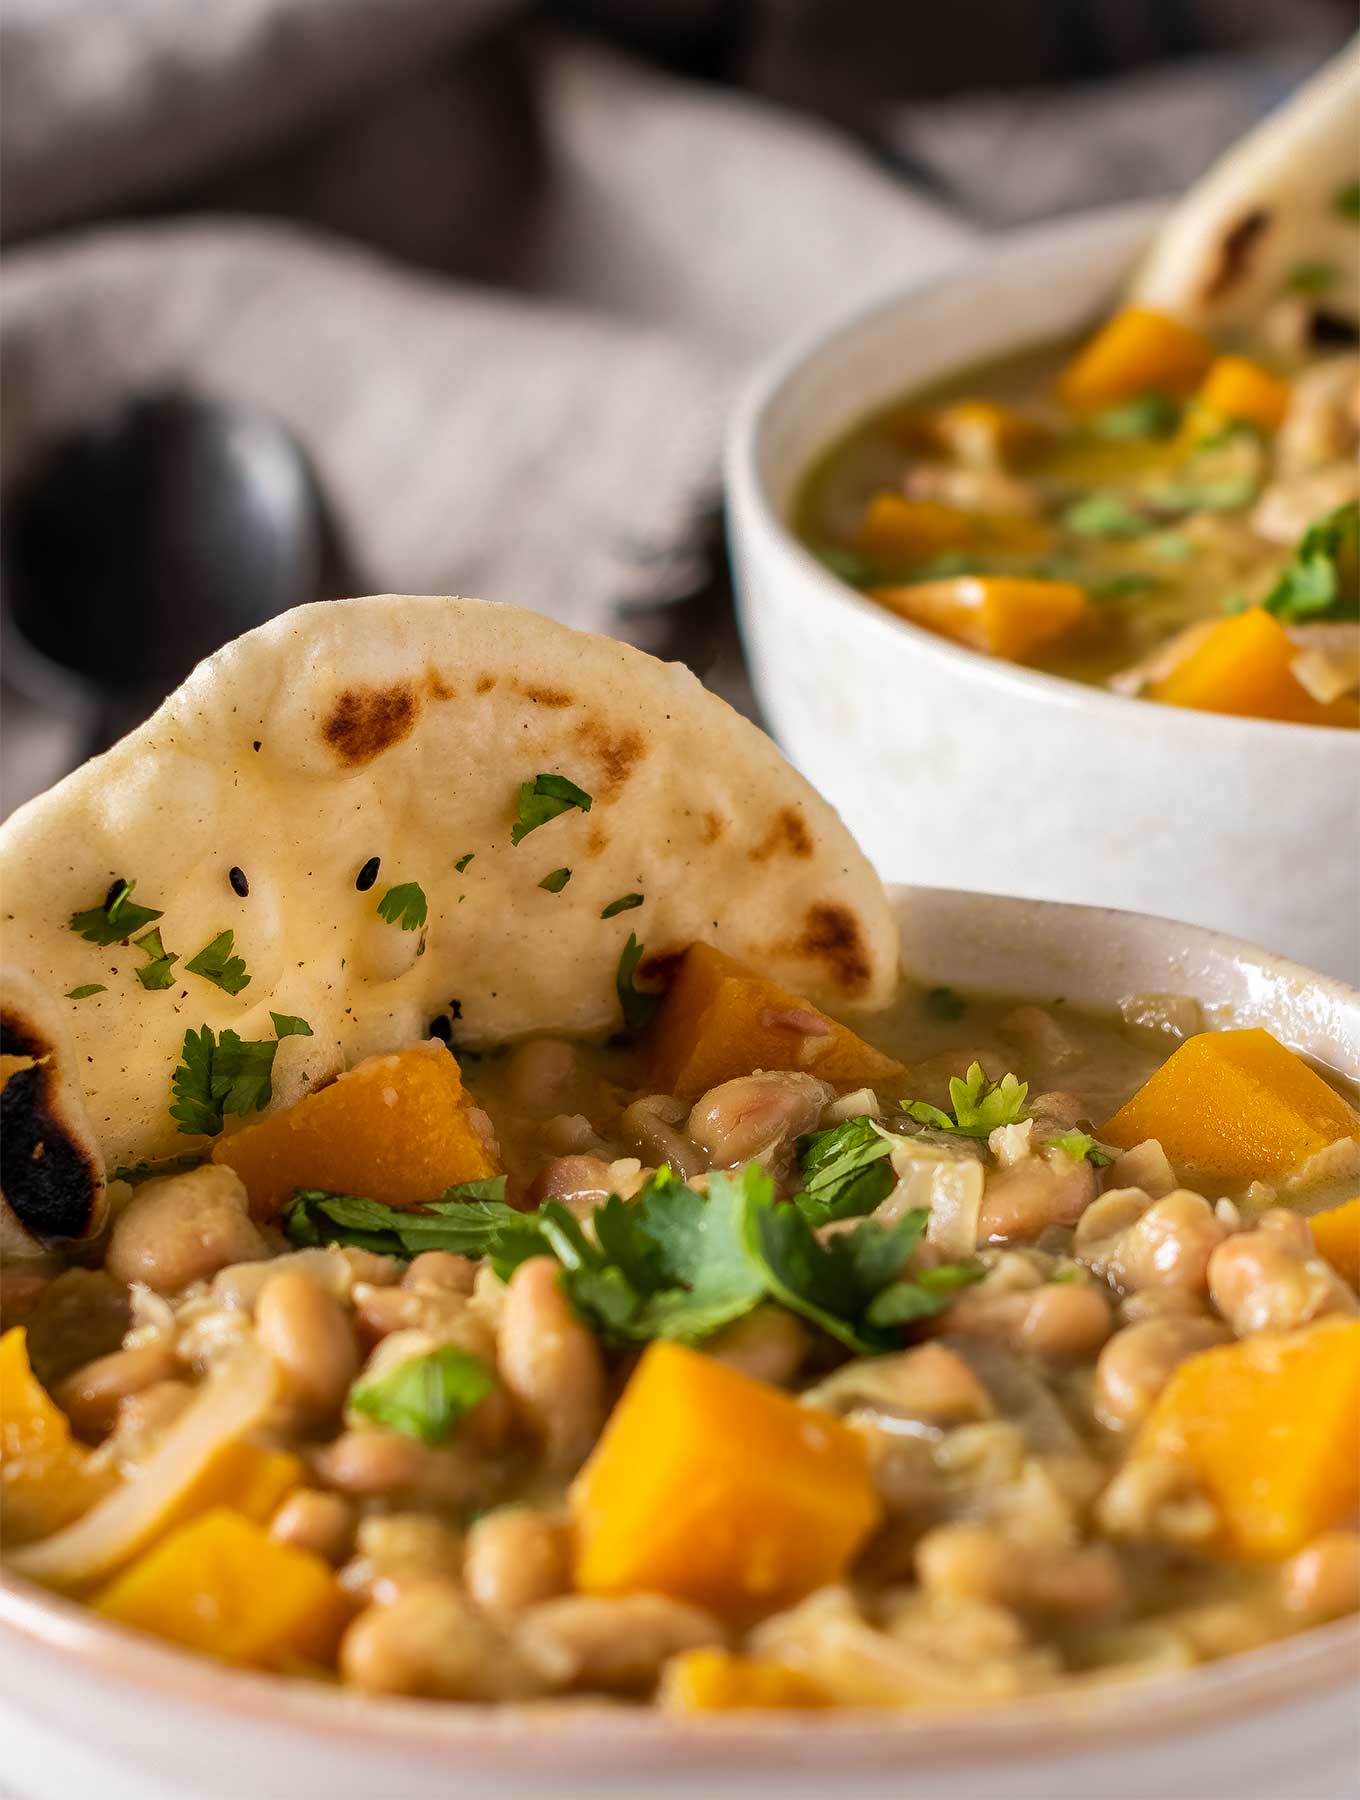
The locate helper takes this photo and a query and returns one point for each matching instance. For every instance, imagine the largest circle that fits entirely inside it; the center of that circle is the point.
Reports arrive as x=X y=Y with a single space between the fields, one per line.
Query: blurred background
x=307 y=297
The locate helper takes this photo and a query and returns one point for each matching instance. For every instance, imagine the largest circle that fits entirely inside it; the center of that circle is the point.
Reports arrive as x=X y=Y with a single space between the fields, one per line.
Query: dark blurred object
x=137 y=545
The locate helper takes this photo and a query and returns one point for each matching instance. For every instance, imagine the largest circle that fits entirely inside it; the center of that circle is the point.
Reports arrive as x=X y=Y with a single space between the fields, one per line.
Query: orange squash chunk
x=1270 y=1429
x=1237 y=388
x=720 y=1020
x=46 y=1478
x=1235 y=1105
x=903 y=530
x=1336 y=1233
x=393 y=1128
x=718 y=1681
x=1138 y=350
x=1242 y=667
x=223 y=1587
x=1004 y=615
x=715 y=1488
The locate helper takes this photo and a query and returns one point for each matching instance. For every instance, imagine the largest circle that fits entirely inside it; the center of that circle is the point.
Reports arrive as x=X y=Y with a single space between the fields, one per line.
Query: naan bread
x=401 y=728
x=1270 y=207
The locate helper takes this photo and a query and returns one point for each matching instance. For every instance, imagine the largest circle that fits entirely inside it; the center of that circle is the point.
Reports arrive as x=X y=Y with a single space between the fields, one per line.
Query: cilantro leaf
x=1311 y=277
x=116 y=919
x=845 y=1171
x=1149 y=415
x=980 y=1106
x=1323 y=580
x=1346 y=203
x=216 y=963
x=404 y=905
x=463 y=862
x=425 y=1396
x=158 y=971
x=1080 y=1145
x=556 y=880
x=923 y=1297
x=135 y=1173
x=88 y=988
x=639 y=1007
x=546 y=797
x=625 y=903
x=1104 y=514
x=224 y=1075
x=944 y=1003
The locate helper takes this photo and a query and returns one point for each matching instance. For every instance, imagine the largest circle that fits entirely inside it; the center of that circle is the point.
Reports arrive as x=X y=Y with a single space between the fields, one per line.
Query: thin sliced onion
x=947 y=1181
x=233 y=1400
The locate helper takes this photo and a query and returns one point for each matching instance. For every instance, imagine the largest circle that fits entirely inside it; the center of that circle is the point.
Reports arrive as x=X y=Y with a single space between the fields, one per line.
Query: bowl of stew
x=1058 y=1498
x=1057 y=598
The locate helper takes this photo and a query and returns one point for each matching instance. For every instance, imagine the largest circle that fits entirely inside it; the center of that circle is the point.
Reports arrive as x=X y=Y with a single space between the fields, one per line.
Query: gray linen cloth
x=535 y=414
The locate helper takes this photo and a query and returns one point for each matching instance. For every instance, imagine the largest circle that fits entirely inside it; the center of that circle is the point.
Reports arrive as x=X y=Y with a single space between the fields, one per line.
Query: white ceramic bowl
x=89 y=1710
x=961 y=770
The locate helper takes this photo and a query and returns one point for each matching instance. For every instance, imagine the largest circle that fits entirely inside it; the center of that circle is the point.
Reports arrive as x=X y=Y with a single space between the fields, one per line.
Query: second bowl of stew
x=1033 y=590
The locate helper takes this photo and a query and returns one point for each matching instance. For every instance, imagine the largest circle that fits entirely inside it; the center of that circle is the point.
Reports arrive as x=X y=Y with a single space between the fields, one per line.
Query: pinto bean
x=654 y=1127
x=429 y=1641
x=537 y=1070
x=975 y=1562
x=311 y=1520
x=1272 y=1279
x=441 y=1270
x=738 y=1119
x=1136 y=1242
x=571 y=1178
x=614 y=1646
x=1323 y=1580
x=1066 y=1319
x=516 y=1558
x=1138 y=1361
x=308 y=1335
x=552 y=1365
x=769 y=1344
x=1019 y=1201
x=184 y=1228
x=92 y=1396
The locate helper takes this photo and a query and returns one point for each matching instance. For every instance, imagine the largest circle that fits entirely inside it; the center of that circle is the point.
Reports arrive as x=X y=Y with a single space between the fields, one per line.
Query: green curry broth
x=1144 y=589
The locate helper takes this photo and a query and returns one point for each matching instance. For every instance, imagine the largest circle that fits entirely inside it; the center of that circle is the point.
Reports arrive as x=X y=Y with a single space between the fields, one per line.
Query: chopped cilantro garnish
x=224 y=1075
x=1081 y=1145
x=158 y=971
x=136 y=1173
x=1225 y=494
x=1323 y=580
x=1122 y=583
x=216 y=963
x=1347 y=202
x=425 y=1396
x=546 y=797
x=673 y=1263
x=625 y=903
x=1151 y=415
x=1171 y=546
x=639 y=1007
x=845 y=1171
x=555 y=880
x=463 y=862
x=924 y=1296
x=404 y=905
x=947 y=563
x=1104 y=514
x=83 y=993
x=980 y=1106
x=116 y=919
x=1311 y=277
x=944 y=1003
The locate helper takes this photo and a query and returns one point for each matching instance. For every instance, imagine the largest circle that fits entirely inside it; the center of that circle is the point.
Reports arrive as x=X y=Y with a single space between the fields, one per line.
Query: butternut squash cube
x=1336 y=1233
x=720 y=1020
x=902 y=530
x=47 y=1479
x=718 y=1681
x=1234 y=1105
x=1138 y=350
x=1242 y=667
x=715 y=1488
x=222 y=1586
x=1270 y=1429
x=1003 y=615
x=243 y=1476
x=394 y=1128
x=1237 y=388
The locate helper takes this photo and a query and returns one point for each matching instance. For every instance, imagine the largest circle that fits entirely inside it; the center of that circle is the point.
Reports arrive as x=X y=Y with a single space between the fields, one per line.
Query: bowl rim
x=751 y=505
x=527 y=1737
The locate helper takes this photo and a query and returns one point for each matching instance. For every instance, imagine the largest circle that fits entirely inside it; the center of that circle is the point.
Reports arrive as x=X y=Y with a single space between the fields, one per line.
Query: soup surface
x=751 y=1362
x=1151 y=513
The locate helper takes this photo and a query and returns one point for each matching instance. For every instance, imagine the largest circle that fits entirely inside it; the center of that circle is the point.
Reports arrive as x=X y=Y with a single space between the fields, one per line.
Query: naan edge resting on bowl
x=378 y=728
